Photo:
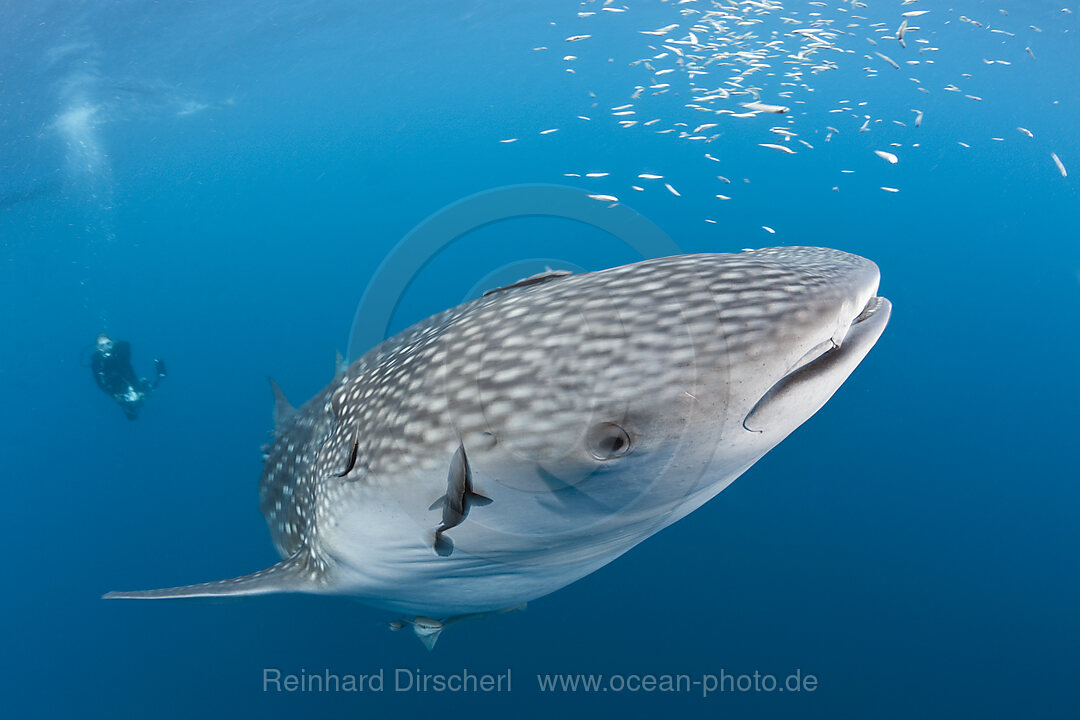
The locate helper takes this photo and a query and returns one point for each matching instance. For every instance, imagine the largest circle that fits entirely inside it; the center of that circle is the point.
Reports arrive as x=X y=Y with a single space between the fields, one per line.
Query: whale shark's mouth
x=865 y=329
x=835 y=343
x=817 y=375
x=875 y=304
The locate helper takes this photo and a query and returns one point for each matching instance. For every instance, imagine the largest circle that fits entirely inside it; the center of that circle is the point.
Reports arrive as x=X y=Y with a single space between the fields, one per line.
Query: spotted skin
x=675 y=352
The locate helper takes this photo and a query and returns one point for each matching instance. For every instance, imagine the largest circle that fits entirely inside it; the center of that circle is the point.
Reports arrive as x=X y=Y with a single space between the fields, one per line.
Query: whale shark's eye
x=607 y=441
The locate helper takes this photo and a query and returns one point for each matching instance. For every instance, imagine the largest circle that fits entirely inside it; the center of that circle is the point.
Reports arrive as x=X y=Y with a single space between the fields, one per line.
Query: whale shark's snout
x=831 y=320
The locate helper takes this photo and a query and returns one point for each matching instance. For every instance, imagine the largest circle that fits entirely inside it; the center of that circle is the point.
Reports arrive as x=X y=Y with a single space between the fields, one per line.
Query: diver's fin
x=444 y=546
x=283 y=411
x=339 y=363
x=283 y=577
x=159 y=368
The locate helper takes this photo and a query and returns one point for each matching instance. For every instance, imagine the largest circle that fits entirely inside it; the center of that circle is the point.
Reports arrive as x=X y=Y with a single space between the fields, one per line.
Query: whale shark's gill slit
x=353 y=452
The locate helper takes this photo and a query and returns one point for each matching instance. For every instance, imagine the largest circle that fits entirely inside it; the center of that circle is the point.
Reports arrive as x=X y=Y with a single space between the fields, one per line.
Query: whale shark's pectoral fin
x=283 y=411
x=286 y=576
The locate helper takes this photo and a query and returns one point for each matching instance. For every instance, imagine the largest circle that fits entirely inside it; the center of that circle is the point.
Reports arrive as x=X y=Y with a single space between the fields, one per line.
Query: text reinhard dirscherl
x=416 y=681
x=399 y=680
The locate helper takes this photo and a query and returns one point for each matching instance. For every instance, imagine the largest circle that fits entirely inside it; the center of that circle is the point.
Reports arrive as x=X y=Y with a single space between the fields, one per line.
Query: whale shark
x=504 y=448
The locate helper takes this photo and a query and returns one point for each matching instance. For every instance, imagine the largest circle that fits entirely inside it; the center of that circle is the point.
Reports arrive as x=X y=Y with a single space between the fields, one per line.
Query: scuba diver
x=113 y=373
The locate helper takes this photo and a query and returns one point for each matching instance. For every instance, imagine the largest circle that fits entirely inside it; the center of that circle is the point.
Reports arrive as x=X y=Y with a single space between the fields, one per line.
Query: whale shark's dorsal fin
x=283 y=411
x=536 y=279
x=339 y=363
x=286 y=576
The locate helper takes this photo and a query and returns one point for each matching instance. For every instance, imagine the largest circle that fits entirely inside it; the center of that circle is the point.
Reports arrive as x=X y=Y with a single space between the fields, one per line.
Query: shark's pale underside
x=511 y=445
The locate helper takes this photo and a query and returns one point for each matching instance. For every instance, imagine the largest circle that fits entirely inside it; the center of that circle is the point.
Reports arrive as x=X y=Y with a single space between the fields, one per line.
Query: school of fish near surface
x=720 y=66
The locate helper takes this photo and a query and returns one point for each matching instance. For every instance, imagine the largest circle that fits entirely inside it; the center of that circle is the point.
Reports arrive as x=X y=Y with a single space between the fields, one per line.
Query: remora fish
x=590 y=411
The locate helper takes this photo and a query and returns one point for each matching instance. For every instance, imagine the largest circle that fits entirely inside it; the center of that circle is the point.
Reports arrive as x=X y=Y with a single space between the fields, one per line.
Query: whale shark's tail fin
x=286 y=576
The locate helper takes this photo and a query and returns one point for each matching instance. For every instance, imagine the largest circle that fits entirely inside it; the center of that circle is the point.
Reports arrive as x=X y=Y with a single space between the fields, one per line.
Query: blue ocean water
x=219 y=182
